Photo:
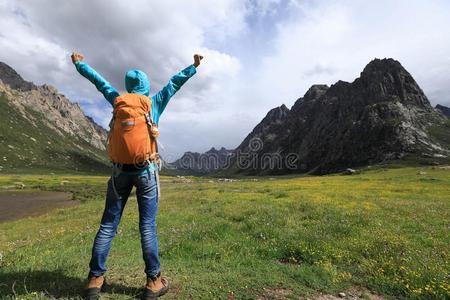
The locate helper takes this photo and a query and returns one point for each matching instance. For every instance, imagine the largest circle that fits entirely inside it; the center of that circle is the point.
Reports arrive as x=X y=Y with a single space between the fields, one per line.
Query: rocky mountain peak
x=315 y=91
x=49 y=88
x=387 y=80
x=443 y=109
x=10 y=77
x=202 y=163
x=382 y=65
x=277 y=113
x=221 y=151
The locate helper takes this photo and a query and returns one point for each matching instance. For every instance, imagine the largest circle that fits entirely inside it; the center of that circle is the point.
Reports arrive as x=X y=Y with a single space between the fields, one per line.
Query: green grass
x=385 y=230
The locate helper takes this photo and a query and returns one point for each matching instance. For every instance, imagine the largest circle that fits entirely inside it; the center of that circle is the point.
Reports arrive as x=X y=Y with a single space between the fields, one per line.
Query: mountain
x=443 y=109
x=11 y=78
x=268 y=130
x=382 y=116
x=194 y=163
x=41 y=130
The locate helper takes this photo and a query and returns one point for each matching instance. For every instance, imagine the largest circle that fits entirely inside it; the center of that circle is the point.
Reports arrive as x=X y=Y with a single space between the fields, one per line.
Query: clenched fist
x=76 y=57
x=197 y=59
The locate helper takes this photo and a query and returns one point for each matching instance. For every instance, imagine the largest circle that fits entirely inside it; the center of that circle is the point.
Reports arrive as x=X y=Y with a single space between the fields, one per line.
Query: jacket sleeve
x=160 y=100
x=100 y=83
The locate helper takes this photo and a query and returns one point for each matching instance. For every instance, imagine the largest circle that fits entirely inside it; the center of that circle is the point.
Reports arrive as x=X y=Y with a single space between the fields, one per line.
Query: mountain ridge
x=200 y=163
x=10 y=77
x=57 y=123
x=443 y=109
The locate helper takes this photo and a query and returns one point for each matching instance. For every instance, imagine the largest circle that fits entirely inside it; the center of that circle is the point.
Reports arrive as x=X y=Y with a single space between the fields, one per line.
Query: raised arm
x=90 y=74
x=160 y=100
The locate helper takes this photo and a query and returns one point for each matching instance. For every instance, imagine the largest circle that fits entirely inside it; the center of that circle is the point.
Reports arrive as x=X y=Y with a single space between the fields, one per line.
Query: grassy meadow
x=383 y=230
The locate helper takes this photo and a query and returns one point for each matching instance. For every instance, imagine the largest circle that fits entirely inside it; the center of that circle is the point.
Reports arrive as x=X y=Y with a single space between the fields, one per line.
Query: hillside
x=42 y=131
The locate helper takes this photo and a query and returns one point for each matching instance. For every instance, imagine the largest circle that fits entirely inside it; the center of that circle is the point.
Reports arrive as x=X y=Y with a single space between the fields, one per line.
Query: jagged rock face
x=203 y=163
x=58 y=112
x=382 y=115
x=40 y=125
x=64 y=116
x=11 y=78
x=443 y=109
x=269 y=130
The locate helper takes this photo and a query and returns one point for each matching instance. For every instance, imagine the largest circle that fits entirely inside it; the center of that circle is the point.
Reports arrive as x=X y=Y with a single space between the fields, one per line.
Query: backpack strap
x=111 y=126
x=150 y=123
x=111 y=123
x=148 y=119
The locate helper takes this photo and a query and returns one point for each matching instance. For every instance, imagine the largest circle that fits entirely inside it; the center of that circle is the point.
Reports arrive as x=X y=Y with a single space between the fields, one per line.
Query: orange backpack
x=132 y=136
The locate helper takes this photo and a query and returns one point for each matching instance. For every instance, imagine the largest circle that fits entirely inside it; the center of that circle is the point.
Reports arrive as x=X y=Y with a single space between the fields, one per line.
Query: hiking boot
x=93 y=287
x=156 y=287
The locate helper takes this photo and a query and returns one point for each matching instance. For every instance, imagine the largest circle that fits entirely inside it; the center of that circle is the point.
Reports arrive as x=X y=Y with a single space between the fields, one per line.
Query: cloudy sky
x=259 y=54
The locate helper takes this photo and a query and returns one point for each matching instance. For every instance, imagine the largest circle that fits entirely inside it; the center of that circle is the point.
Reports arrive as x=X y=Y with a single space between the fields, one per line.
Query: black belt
x=132 y=167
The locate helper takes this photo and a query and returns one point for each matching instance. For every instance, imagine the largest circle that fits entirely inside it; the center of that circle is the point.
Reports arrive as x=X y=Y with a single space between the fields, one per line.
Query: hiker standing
x=133 y=150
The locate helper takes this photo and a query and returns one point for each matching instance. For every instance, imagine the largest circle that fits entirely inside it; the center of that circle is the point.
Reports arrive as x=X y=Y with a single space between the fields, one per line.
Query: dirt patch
x=351 y=294
x=20 y=204
x=275 y=294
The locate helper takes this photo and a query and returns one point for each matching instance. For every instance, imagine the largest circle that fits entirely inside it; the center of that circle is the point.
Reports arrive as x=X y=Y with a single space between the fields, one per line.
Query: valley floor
x=385 y=230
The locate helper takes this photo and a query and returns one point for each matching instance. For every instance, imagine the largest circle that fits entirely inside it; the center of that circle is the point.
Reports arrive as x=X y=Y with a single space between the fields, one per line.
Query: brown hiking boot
x=93 y=287
x=155 y=287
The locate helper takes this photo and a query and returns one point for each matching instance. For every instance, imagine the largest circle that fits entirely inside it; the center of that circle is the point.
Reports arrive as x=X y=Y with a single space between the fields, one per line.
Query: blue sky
x=259 y=54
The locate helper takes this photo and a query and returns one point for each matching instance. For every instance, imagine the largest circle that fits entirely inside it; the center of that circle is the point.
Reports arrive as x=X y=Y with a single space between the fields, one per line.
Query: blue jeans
x=147 y=197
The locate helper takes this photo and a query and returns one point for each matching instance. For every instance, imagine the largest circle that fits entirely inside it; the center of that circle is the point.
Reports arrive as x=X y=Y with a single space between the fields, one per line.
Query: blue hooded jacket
x=137 y=82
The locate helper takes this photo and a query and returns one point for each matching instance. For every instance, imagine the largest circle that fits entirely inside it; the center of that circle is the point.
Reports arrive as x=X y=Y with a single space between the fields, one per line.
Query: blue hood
x=136 y=82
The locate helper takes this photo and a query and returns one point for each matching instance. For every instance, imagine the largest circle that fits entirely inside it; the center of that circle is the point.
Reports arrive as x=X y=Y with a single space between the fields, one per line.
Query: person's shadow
x=54 y=284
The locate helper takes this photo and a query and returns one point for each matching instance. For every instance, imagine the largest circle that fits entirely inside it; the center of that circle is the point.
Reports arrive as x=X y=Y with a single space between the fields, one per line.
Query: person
x=134 y=165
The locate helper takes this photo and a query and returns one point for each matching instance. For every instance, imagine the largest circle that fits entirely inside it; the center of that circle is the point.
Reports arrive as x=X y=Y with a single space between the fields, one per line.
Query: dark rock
x=349 y=171
x=10 y=77
x=443 y=109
